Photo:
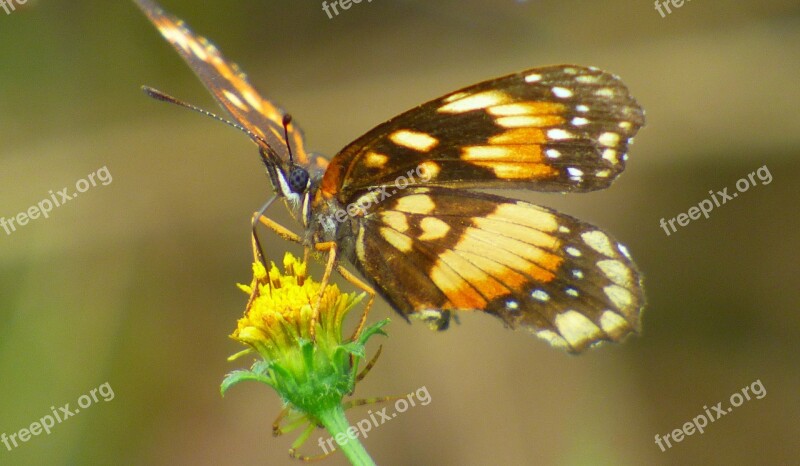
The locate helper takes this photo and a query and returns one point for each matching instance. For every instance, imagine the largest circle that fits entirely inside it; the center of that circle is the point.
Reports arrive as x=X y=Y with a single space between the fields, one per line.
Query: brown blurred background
x=133 y=283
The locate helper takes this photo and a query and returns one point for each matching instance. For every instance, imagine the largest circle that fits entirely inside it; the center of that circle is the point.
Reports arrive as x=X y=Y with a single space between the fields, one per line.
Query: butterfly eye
x=298 y=179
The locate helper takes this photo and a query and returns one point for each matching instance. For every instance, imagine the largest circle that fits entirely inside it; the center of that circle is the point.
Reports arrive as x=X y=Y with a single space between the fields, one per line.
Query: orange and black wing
x=434 y=250
x=230 y=87
x=558 y=128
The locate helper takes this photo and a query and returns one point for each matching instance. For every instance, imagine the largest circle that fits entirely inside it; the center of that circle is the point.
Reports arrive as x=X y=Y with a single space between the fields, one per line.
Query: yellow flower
x=279 y=312
x=311 y=371
x=277 y=325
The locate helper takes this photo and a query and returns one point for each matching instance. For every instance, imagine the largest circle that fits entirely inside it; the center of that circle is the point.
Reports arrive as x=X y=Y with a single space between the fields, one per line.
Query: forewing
x=435 y=250
x=558 y=128
x=230 y=87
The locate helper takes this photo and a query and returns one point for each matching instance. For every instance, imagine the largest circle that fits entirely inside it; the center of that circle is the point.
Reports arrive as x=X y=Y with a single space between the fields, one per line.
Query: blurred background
x=132 y=283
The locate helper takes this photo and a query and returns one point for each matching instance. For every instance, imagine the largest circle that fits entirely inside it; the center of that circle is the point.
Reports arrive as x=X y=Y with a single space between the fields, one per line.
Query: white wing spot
x=532 y=78
x=558 y=134
x=176 y=35
x=587 y=78
x=235 y=100
x=552 y=153
x=577 y=274
x=563 y=229
x=540 y=295
x=198 y=51
x=609 y=139
x=579 y=121
x=613 y=324
x=610 y=155
x=251 y=99
x=512 y=305
x=576 y=328
x=575 y=173
x=624 y=250
x=582 y=108
x=598 y=241
x=572 y=292
x=619 y=296
x=575 y=252
x=553 y=338
x=625 y=124
x=616 y=271
x=603 y=173
x=561 y=92
x=605 y=92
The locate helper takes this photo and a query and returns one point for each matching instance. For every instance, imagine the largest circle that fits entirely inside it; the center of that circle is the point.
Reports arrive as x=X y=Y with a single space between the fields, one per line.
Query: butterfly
x=400 y=203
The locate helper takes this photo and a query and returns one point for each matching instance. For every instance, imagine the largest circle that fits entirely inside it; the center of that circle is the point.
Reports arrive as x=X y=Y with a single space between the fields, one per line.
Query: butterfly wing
x=434 y=250
x=230 y=87
x=558 y=128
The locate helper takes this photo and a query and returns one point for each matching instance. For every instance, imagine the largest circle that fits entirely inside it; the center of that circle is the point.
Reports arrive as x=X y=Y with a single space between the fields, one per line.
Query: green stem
x=335 y=421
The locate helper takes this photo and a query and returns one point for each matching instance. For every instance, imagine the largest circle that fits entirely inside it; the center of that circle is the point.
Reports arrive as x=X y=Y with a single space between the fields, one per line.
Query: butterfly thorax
x=328 y=220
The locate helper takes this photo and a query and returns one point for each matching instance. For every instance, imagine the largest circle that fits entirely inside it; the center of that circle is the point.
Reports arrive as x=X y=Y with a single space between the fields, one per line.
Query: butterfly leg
x=369 y=365
x=294 y=454
x=347 y=275
x=310 y=429
x=279 y=229
x=330 y=248
x=294 y=420
x=257 y=255
x=370 y=401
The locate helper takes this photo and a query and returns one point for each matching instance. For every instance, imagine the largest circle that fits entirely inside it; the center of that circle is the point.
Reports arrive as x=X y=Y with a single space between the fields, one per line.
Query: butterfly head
x=298 y=179
x=293 y=182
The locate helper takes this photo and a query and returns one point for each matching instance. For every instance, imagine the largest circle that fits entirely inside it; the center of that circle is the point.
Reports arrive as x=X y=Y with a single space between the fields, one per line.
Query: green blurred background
x=133 y=283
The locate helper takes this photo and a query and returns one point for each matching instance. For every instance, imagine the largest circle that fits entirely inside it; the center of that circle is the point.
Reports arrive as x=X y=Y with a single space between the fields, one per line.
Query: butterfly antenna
x=287 y=119
x=158 y=95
